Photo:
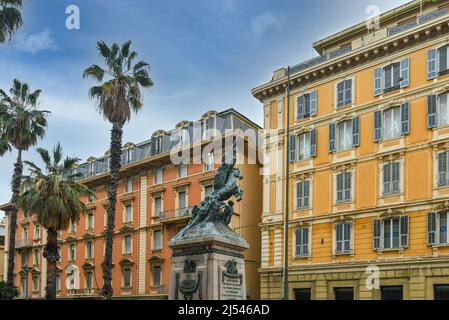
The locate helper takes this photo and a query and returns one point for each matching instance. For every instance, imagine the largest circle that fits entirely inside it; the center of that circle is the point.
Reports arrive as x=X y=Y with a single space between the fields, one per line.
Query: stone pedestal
x=208 y=267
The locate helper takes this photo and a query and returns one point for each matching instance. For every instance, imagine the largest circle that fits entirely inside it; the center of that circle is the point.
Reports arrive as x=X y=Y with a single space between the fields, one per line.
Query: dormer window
x=92 y=168
x=209 y=127
x=158 y=145
x=129 y=155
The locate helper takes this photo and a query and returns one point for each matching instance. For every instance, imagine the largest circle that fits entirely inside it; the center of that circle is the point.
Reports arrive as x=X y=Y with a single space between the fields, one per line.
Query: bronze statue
x=214 y=208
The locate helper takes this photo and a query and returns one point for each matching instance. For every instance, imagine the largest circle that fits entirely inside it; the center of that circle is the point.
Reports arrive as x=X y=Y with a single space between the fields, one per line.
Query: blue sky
x=204 y=55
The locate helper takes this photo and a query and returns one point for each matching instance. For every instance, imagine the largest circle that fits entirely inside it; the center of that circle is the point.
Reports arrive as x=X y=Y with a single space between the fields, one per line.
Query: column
x=142 y=235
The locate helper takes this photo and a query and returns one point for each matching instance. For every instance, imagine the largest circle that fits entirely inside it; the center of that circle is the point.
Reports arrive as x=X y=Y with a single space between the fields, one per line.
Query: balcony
x=420 y=20
x=159 y=290
x=84 y=292
x=24 y=243
x=179 y=214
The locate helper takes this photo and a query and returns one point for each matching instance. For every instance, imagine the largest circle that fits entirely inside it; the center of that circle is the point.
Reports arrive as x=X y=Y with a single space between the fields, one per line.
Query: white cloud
x=36 y=42
x=264 y=22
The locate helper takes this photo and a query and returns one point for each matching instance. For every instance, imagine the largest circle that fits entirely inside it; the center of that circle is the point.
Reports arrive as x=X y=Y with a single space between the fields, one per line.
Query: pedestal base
x=207 y=268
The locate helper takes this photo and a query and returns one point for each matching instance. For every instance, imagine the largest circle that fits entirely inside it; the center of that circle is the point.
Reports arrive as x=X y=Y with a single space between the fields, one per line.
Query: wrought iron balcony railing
x=168 y=215
x=84 y=292
x=24 y=243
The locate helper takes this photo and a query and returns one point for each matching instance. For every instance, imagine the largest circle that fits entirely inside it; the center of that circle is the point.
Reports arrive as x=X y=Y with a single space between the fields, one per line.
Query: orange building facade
x=368 y=163
x=154 y=199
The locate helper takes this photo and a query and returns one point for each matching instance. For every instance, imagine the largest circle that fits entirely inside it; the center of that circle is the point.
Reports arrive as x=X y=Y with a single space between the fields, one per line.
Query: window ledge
x=386 y=91
x=344 y=202
x=391 y=139
x=390 y=250
x=437 y=127
x=345 y=150
x=343 y=253
x=297 y=257
x=303 y=160
x=345 y=107
x=440 y=245
x=302 y=209
x=391 y=195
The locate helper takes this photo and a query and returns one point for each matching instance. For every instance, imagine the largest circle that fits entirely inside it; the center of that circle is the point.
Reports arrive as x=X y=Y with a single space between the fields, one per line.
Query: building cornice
x=354 y=58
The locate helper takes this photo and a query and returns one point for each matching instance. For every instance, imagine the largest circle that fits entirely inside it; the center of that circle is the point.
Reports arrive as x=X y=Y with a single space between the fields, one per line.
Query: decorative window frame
x=387 y=64
x=179 y=170
x=335 y=88
x=205 y=169
x=295 y=227
x=342 y=219
x=155 y=170
x=37 y=235
x=90 y=211
x=297 y=133
x=391 y=214
x=124 y=236
x=69 y=246
x=125 y=205
x=125 y=180
x=152 y=265
x=204 y=119
x=86 y=278
x=36 y=263
x=180 y=190
x=122 y=276
x=205 y=184
x=307 y=176
x=154 y=196
x=34 y=289
x=437 y=149
x=438 y=93
x=437 y=47
x=86 y=256
x=343 y=118
x=303 y=93
x=391 y=158
x=438 y=209
x=349 y=167
x=153 y=248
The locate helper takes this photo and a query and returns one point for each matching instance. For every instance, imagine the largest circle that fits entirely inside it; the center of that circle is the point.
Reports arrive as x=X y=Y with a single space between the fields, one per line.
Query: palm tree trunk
x=116 y=151
x=15 y=185
x=52 y=256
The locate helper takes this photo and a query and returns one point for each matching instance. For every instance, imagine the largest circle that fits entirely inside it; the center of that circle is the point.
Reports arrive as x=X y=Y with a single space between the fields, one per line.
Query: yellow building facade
x=368 y=162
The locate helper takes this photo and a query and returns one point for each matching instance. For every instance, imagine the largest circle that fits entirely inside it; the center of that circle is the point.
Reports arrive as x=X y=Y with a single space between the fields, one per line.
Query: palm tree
x=54 y=196
x=22 y=125
x=10 y=18
x=116 y=97
x=4 y=145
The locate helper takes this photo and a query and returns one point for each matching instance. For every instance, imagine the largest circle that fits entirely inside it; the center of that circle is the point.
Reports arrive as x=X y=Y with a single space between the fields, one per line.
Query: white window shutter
x=404 y=231
x=313 y=103
x=377 y=234
x=431 y=64
x=378 y=82
x=377 y=126
x=431 y=228
x=356 y=131
x=313 y=137
x=405 y=118
x=300 y=107
x=431 y=111
x=293 y=144
x=405 y=72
